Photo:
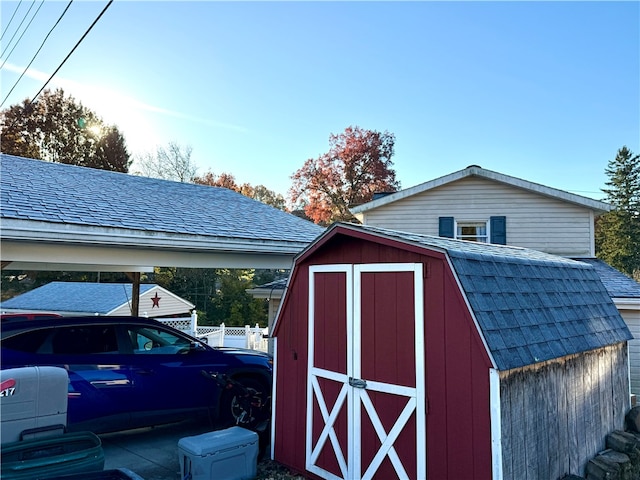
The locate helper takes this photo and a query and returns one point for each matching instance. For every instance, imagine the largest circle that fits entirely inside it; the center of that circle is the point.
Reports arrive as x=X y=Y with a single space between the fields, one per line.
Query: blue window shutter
x=498 y=227
x=445 y=227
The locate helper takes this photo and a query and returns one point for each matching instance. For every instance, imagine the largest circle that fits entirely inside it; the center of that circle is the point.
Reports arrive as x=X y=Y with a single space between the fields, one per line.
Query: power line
x=36 y=54
x=23 y=32
x=11 y=19
x=23 y=19
x=72 y=50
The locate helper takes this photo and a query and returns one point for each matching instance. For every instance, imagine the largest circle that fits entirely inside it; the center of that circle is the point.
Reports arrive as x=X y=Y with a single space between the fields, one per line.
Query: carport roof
x=136 y=221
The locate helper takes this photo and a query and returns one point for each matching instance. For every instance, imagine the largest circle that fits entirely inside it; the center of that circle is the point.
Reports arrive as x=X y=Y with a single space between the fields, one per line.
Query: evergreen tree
x=618 y=231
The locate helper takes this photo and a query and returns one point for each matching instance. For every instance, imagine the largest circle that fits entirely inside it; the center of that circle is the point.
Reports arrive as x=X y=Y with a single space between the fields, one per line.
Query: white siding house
x=535 y=216
x=630 y=311
x=480 y=204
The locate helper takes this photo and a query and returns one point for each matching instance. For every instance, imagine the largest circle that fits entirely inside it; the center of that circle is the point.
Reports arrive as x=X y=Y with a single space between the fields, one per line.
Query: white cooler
x=230 y=454
x=33 y=402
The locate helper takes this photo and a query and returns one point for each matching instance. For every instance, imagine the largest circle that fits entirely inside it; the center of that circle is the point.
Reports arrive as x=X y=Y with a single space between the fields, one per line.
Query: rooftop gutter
x=53 y=233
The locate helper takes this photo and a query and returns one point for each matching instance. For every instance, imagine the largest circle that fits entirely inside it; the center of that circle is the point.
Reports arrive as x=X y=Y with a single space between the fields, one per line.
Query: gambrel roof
x=529 y=306
x=54 y=204
x=89 y=298
x=477 y=171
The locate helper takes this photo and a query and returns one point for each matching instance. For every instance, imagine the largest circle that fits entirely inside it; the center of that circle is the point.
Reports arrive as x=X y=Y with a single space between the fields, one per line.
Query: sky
x=544 y=91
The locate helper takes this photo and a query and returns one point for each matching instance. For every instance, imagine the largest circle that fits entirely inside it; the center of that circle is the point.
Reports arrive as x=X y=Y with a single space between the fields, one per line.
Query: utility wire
x=36 y=54
x=23 y=19
x=11 y=20
x=72 y=50
x=23 y=32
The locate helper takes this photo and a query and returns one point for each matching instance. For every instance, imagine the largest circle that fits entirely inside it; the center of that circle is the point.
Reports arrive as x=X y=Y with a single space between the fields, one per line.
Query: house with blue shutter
x=486 y=206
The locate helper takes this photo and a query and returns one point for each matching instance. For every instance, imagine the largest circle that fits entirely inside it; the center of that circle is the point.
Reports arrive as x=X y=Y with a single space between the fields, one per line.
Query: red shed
x=408 y=356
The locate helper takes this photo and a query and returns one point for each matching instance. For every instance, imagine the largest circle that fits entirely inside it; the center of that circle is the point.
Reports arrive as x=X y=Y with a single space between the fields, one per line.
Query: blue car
x=129 y=372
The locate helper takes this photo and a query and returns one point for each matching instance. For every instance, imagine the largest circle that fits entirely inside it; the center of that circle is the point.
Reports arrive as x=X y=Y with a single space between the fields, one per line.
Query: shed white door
x=366 y=383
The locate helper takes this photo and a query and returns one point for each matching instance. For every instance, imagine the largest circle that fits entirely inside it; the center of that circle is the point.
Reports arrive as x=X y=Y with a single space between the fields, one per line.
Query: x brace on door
x=387 y=439
x=329 y=419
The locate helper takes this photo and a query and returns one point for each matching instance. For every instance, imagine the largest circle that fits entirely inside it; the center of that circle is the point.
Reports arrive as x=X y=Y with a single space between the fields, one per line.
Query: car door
x=100 y=386
x=167 y=372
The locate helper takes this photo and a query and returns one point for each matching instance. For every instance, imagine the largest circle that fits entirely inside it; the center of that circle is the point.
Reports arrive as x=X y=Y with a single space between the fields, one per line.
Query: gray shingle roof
x=530 y=306
x=617 y=283
x=66 y=194
x=82 y=297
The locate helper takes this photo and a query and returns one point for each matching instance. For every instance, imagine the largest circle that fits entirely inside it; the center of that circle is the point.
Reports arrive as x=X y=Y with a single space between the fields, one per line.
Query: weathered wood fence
x=553 y=428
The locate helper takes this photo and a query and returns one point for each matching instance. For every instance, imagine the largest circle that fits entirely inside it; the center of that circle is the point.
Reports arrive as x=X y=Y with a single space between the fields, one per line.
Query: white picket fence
x=253 y=338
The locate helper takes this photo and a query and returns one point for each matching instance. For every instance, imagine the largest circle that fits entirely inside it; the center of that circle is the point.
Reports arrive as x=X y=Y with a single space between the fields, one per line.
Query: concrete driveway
x=151 y=453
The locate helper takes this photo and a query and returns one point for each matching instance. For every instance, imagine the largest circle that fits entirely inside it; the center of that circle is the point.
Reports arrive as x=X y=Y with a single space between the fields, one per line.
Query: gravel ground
x=270 y=470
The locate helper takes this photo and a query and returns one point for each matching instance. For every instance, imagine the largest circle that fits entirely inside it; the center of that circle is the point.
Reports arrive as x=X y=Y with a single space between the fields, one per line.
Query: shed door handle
x=357 y=382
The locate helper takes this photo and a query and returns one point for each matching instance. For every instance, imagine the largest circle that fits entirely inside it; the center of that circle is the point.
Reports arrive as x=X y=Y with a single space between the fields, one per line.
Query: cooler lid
x=212 y=443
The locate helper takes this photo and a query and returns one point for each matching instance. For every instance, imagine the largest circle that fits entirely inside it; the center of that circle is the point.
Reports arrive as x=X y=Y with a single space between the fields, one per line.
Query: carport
x=70 y=218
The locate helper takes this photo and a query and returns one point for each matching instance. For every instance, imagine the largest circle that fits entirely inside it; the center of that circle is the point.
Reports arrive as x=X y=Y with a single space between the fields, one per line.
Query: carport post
x=135 y=293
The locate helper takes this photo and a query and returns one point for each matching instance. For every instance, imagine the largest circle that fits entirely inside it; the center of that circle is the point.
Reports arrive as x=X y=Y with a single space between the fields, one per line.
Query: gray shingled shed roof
x=530 y=306
x=52 y=203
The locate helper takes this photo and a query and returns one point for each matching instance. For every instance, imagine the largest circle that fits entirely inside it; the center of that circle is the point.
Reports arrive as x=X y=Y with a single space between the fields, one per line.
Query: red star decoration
x=156 y=301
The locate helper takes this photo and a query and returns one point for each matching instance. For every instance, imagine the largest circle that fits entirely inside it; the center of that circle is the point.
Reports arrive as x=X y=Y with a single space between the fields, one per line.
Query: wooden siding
x=632 y=318
x=457 y=365
x=291 y=374
x=533 y=221
x=458 y=420
x=556 y=415
x=169 y=304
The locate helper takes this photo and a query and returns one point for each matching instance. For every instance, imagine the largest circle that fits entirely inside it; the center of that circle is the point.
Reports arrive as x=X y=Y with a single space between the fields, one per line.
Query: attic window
x=473 y=231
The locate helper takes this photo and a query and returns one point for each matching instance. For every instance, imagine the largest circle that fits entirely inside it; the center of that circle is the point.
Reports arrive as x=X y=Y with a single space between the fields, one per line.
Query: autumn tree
x=357 y=165
x=172 y=162
x=224 y=180
x=264 y=195
x=259 y=192
x=618 y=231
x=57 y=128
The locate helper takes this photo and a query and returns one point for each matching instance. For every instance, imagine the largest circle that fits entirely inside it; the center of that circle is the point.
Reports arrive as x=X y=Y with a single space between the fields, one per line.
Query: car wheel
x=245 y=410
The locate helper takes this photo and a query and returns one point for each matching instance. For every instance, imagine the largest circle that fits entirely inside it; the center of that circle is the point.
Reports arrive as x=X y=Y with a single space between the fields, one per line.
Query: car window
x=28 y=342
x=151 y=340
x=84 y=340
